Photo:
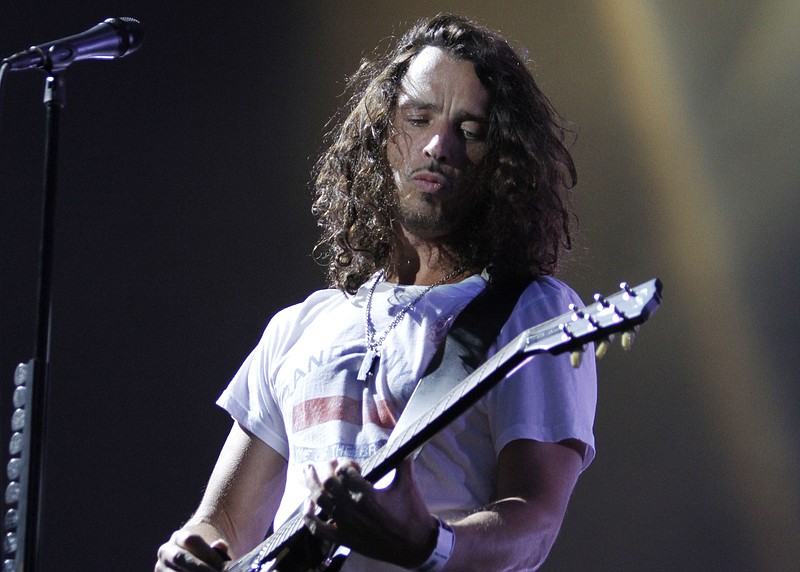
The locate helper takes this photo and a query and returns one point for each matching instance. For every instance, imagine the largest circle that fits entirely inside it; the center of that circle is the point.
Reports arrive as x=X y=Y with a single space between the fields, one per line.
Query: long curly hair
x=522 y=222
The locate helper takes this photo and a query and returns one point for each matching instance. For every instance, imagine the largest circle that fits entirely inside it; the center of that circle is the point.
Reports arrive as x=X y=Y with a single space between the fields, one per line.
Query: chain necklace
x=374 y=345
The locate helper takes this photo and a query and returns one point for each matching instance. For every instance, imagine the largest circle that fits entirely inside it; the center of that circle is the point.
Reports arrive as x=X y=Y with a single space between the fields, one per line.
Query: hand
x=189 y=552
x=391 y=524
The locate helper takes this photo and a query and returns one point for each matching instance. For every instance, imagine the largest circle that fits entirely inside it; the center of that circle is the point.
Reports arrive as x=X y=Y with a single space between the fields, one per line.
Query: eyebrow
x=420 y=105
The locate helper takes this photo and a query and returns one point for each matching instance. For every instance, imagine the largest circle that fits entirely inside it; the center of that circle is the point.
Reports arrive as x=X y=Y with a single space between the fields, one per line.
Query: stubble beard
x=428 y=216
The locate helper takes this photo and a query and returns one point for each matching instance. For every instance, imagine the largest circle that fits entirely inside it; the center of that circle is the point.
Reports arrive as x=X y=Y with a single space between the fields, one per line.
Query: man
x=450 y=169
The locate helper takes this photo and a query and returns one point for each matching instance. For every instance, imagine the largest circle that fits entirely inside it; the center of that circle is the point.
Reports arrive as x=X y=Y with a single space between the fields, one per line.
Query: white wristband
x=445 y=542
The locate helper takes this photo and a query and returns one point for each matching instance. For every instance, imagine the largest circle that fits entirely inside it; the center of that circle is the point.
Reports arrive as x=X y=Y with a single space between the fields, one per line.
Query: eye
x=416 y=120
x=473 y=131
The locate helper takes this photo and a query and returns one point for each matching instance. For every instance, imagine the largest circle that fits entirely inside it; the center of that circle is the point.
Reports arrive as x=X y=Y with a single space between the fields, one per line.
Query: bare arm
x=237 y=508
x=515 y=532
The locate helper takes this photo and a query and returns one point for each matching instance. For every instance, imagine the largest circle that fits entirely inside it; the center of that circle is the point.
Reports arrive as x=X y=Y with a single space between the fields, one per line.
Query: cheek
x=476 y=154
x=396 y=162
x=396 y=155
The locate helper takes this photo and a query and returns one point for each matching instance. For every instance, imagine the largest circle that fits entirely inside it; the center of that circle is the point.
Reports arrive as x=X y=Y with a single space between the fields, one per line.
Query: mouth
x=429 y=181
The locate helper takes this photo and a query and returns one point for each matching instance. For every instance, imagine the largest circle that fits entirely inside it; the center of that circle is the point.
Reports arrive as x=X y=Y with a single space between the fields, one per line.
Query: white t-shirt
x=298 y=392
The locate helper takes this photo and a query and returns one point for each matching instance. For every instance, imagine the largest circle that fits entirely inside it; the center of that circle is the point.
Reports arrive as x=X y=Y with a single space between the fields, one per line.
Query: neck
x=423 y=262
x=406 y=274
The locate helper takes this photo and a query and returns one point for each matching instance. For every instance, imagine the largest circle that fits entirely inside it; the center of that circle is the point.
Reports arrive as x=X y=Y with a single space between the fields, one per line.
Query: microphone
x=112 y=38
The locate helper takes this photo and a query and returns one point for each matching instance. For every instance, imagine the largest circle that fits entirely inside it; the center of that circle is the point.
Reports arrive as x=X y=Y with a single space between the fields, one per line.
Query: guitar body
x=292 y=548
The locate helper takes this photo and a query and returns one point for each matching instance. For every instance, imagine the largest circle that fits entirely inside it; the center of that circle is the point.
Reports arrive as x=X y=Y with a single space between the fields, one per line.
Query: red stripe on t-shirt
x=337 y=408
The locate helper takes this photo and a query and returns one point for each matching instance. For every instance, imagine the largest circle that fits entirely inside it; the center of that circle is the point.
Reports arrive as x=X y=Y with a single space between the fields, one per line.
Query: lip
x=429 y=181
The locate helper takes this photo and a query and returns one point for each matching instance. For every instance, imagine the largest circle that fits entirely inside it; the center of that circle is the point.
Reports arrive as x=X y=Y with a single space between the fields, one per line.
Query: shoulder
x=289 y=321
x=547 y=296
x=316 y=302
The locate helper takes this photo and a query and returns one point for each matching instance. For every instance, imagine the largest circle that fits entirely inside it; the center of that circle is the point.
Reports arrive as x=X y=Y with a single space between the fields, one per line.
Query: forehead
x=435 y=78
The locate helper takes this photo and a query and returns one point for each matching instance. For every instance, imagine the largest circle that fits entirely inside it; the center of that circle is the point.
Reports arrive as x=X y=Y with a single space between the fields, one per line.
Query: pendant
x=366 y=366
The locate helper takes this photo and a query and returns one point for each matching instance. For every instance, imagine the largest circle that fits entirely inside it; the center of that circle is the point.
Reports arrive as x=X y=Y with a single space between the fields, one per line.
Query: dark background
x=183 y=224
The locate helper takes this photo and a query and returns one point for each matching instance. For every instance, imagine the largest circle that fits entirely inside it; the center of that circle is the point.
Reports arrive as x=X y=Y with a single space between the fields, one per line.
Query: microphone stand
x=54 y=103
x=113 y=38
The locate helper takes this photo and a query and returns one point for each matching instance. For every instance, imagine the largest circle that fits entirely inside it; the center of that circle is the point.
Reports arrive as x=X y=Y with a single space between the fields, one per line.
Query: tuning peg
x=575 y=358
x=601 y=348
x=627 y=339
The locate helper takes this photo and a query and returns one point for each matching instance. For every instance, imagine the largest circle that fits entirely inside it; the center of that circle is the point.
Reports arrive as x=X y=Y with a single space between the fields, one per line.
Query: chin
x=427 y=227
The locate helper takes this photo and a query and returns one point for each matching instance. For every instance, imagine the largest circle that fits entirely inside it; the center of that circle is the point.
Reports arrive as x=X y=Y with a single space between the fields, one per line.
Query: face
x=438 y=143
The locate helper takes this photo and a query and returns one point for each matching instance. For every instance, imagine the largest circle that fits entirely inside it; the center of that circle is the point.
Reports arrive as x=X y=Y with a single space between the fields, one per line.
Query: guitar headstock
x=623 y=311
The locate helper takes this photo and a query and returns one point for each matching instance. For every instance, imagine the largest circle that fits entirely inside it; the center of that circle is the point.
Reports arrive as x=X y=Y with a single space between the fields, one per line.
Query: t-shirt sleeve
x=250 y=397
x=547 y=399
x=254 y=397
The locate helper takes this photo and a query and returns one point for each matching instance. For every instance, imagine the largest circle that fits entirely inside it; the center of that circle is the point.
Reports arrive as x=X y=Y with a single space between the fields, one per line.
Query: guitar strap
x=464 y=348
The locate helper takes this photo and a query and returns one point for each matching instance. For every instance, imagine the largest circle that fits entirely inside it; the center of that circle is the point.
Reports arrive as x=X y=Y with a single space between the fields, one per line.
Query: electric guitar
x=292 y=548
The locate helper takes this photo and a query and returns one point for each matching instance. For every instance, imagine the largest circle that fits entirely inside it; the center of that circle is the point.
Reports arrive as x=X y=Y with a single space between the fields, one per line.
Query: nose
x=440 y=148
x=433 y=148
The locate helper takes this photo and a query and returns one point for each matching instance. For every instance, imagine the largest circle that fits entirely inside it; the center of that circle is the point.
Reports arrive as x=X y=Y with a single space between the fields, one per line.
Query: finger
x=163 y=565
x=317 y=492
x=201 y=550
x=168 y=565
x=310 y=508
x=352 y=480
x=312 y=478
x=317 y=526
x=316 y=477
x=349 y=469
x=221 y=548
x=313 y=482
x=336 y=488
x=327 y=489
x=173 y=557
x=347 y=464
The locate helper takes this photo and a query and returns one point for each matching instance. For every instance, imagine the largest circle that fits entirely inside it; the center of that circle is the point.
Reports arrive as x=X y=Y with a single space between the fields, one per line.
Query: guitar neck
x=453 y=404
